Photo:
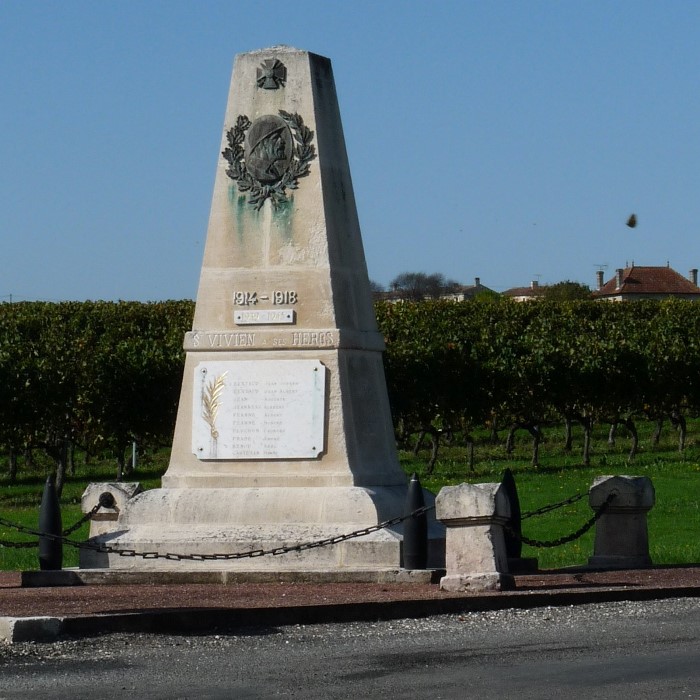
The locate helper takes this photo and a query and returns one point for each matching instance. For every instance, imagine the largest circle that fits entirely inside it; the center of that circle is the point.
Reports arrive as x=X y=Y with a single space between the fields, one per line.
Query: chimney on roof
x=618 y=275
x=477 y=281
x=599 y=277
x=534 y=284
x=694 y=276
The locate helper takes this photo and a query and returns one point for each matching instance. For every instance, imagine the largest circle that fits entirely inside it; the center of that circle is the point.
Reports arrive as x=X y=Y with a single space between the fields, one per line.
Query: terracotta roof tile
x=648 y=280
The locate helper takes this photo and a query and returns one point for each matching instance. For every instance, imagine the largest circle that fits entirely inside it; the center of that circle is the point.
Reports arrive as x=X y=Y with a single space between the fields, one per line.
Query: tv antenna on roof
x=602 y=266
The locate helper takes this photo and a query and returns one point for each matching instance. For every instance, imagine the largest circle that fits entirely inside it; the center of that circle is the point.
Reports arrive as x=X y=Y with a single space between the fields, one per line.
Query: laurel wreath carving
x=303 y=153
x=211 y=401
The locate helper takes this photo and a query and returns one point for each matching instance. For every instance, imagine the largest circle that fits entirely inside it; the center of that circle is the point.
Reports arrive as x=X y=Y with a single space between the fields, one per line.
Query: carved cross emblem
x=271 y=74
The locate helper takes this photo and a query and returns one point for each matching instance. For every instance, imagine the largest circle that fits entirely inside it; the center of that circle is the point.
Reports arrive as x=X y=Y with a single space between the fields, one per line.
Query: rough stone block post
x=105 y=519
x=621 y=536
x=475 y=557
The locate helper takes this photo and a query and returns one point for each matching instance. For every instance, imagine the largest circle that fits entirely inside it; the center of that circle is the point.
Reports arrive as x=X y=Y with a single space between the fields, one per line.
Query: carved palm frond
x=211 y=401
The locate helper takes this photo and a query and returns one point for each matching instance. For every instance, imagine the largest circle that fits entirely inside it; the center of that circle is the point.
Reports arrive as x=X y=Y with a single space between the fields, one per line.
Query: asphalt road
x=616 y=650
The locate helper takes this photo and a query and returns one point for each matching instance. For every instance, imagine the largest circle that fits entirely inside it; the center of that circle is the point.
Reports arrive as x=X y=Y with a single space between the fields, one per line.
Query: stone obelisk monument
x=283 y=433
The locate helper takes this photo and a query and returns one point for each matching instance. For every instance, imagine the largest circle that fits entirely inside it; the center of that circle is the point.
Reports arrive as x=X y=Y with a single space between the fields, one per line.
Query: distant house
x=466 y=292
x=534 y=291
x=637 y=282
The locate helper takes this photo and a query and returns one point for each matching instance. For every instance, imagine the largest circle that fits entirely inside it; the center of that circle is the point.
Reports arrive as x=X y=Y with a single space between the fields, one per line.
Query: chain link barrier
x=224 y=556
x=18 y=545
x=567 y=538
x=554 y=506
x=276 y=551
x=86 y=518
x=35 y=543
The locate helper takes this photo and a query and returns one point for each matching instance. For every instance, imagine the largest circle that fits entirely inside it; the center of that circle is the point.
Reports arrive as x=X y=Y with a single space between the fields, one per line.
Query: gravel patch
x=506 y=625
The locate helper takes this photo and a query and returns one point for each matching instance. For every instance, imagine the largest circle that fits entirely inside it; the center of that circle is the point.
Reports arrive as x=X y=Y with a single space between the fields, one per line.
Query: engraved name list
x=259 y=409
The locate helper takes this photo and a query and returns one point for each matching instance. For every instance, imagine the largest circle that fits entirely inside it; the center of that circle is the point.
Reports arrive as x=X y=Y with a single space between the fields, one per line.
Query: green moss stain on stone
x=282 y=217
x=238 y=200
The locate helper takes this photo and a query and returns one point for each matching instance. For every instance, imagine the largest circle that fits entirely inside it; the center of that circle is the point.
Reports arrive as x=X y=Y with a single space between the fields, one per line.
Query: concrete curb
x=30 y=629
x=219 y=620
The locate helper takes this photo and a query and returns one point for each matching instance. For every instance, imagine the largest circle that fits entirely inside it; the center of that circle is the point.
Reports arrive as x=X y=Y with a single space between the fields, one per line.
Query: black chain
x=567 y=538
x=76 y=526
x=553 y=506
x=107 y=549
x=35 y=543
x=18 y=545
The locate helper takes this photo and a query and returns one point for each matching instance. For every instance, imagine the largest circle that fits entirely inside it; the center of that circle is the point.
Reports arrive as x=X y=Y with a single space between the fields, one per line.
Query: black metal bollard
x=512 y=533
x=50 y=549
x=415 y=529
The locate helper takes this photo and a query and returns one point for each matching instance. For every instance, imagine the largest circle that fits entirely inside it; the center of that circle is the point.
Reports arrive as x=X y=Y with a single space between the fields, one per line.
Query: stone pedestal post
x=475 y=557
x=105 y=520
x=621 y=537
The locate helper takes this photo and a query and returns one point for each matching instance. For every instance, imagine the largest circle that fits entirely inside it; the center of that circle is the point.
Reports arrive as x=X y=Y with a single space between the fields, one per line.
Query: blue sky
x=503 y=140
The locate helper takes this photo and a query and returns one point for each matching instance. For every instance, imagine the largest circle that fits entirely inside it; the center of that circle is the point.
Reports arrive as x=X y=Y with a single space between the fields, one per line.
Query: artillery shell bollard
x=621 y=535
x=51 y=527
x=415 y=529
x=517 y=564
x=475 y=556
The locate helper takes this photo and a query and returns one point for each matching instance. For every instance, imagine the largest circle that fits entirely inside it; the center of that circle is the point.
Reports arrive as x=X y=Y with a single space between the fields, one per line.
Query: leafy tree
x=566 y=291
x=431 y=369
x=416 y=286
x=671 y=341
x=136 y=374
x=488 y=295
x=102 y=375
x=17 y=360
x=88 y=373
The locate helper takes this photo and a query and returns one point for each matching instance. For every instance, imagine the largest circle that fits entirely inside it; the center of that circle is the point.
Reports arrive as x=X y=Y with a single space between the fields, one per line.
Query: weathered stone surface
x=475 y=551
x=105 y=518
x=472 y=501
x=621 y=536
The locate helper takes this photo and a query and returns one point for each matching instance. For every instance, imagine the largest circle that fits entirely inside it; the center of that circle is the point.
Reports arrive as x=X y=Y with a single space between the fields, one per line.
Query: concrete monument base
x=227 y=521
x=133 y=577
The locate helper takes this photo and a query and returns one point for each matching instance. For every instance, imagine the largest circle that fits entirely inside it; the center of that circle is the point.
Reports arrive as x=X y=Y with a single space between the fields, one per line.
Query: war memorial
x=283 y=433
x=284 y=460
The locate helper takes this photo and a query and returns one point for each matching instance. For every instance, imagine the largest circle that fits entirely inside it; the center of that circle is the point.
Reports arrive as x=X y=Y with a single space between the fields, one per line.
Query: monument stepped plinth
x=283 y=432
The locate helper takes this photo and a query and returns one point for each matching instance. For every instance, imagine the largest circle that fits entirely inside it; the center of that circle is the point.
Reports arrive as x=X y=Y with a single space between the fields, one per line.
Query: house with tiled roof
x=638 y=282
x=534 y=291
x=465 y=292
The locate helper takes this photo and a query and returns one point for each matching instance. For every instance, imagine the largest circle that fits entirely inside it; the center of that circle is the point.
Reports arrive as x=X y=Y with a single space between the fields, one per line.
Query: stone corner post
x=621 y=536
x=474 y=516
x=106 y=517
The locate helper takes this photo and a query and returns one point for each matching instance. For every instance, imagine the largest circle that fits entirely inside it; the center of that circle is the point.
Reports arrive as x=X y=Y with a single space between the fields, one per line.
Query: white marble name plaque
x=263 y=317
x=259 y=409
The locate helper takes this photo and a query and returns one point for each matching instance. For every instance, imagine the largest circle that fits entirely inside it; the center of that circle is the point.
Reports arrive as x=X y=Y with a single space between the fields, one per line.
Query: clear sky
x=503 y=140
